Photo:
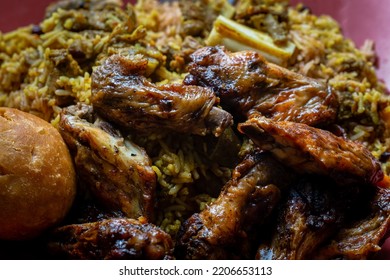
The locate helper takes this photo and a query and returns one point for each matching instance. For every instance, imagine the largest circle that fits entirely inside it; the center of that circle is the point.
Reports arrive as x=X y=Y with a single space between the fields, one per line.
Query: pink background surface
x=359 y=19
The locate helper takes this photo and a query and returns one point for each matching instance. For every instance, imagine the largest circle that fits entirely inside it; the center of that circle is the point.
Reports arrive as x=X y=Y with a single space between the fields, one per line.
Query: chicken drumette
x=123 y=95
x=313 y=210
x=222 y=230
x=311 y=150
x=361 y=238
x=111 y=239
x=117 y=172
x=246 y=83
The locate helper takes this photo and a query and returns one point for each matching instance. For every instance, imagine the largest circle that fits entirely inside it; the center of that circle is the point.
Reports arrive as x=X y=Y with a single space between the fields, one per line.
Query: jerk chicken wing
x=122 y=94
x=118 y=172
x=314 y=209
x=311 y=150
x=114 y=238
x=221 y=230
x=246 y=83
x=362 y=237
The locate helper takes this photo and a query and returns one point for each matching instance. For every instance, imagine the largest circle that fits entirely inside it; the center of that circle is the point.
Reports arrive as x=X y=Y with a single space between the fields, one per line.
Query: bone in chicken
x=247 y=199
x=118 y=172
x=119 y=238
x=313 y=211
x=246 y=83
x=122 y=94
x=312 y=150
x=362 y=238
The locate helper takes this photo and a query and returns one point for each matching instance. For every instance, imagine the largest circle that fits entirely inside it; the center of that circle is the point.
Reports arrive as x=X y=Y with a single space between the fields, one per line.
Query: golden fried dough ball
x=37 y=177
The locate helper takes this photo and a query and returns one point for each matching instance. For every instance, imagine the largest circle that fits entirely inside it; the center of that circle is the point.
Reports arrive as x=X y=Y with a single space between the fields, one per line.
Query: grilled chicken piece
x=314 y=210
x=311 y=150
x=123 y=95
x=247 y=200
x=247 y=83
x=363 y=237
x=118 y=172
x=111 y=239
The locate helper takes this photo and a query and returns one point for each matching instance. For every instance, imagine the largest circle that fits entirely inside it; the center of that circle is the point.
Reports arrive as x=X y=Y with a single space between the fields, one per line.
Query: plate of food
x=253 y=129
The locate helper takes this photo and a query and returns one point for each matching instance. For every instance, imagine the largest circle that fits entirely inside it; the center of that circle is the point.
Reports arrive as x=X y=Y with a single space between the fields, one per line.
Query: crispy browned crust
x=111 y=239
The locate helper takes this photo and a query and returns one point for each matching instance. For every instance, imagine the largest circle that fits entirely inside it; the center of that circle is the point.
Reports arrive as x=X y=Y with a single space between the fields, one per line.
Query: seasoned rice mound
x=47 y=67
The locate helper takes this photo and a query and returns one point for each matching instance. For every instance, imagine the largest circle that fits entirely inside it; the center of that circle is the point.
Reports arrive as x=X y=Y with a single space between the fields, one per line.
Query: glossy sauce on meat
x=311 y=150
x=118 y=172
x=246 y=83
x=247 y=200
x=123 y=95
x=114 y=238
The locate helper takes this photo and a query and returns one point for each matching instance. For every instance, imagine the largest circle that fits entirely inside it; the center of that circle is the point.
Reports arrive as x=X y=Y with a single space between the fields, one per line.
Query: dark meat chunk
x=196 y=21
x=111 y=239
x=313 y=210
x=118 y=172
x=87 y=14
x=247 y=200
x=266 y=15
x=363 y=237
x=311 y=150
x=198 y=16
x=246 y=83
x=124 y=96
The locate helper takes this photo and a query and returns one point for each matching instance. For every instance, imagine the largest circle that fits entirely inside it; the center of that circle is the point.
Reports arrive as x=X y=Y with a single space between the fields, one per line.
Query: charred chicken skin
x=311 y=150
x=155 y=154
x=246 y=200
x=313 y=210
x=246 y=83
x=361 y=238
x=122 y=94
x=118 y=172
x=114 y=238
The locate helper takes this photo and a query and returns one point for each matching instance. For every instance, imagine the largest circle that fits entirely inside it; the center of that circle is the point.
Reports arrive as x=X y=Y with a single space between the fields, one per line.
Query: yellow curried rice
x=48 y=67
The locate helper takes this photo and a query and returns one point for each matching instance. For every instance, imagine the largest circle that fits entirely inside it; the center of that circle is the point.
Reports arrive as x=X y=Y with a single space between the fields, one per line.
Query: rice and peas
x=47 y=67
